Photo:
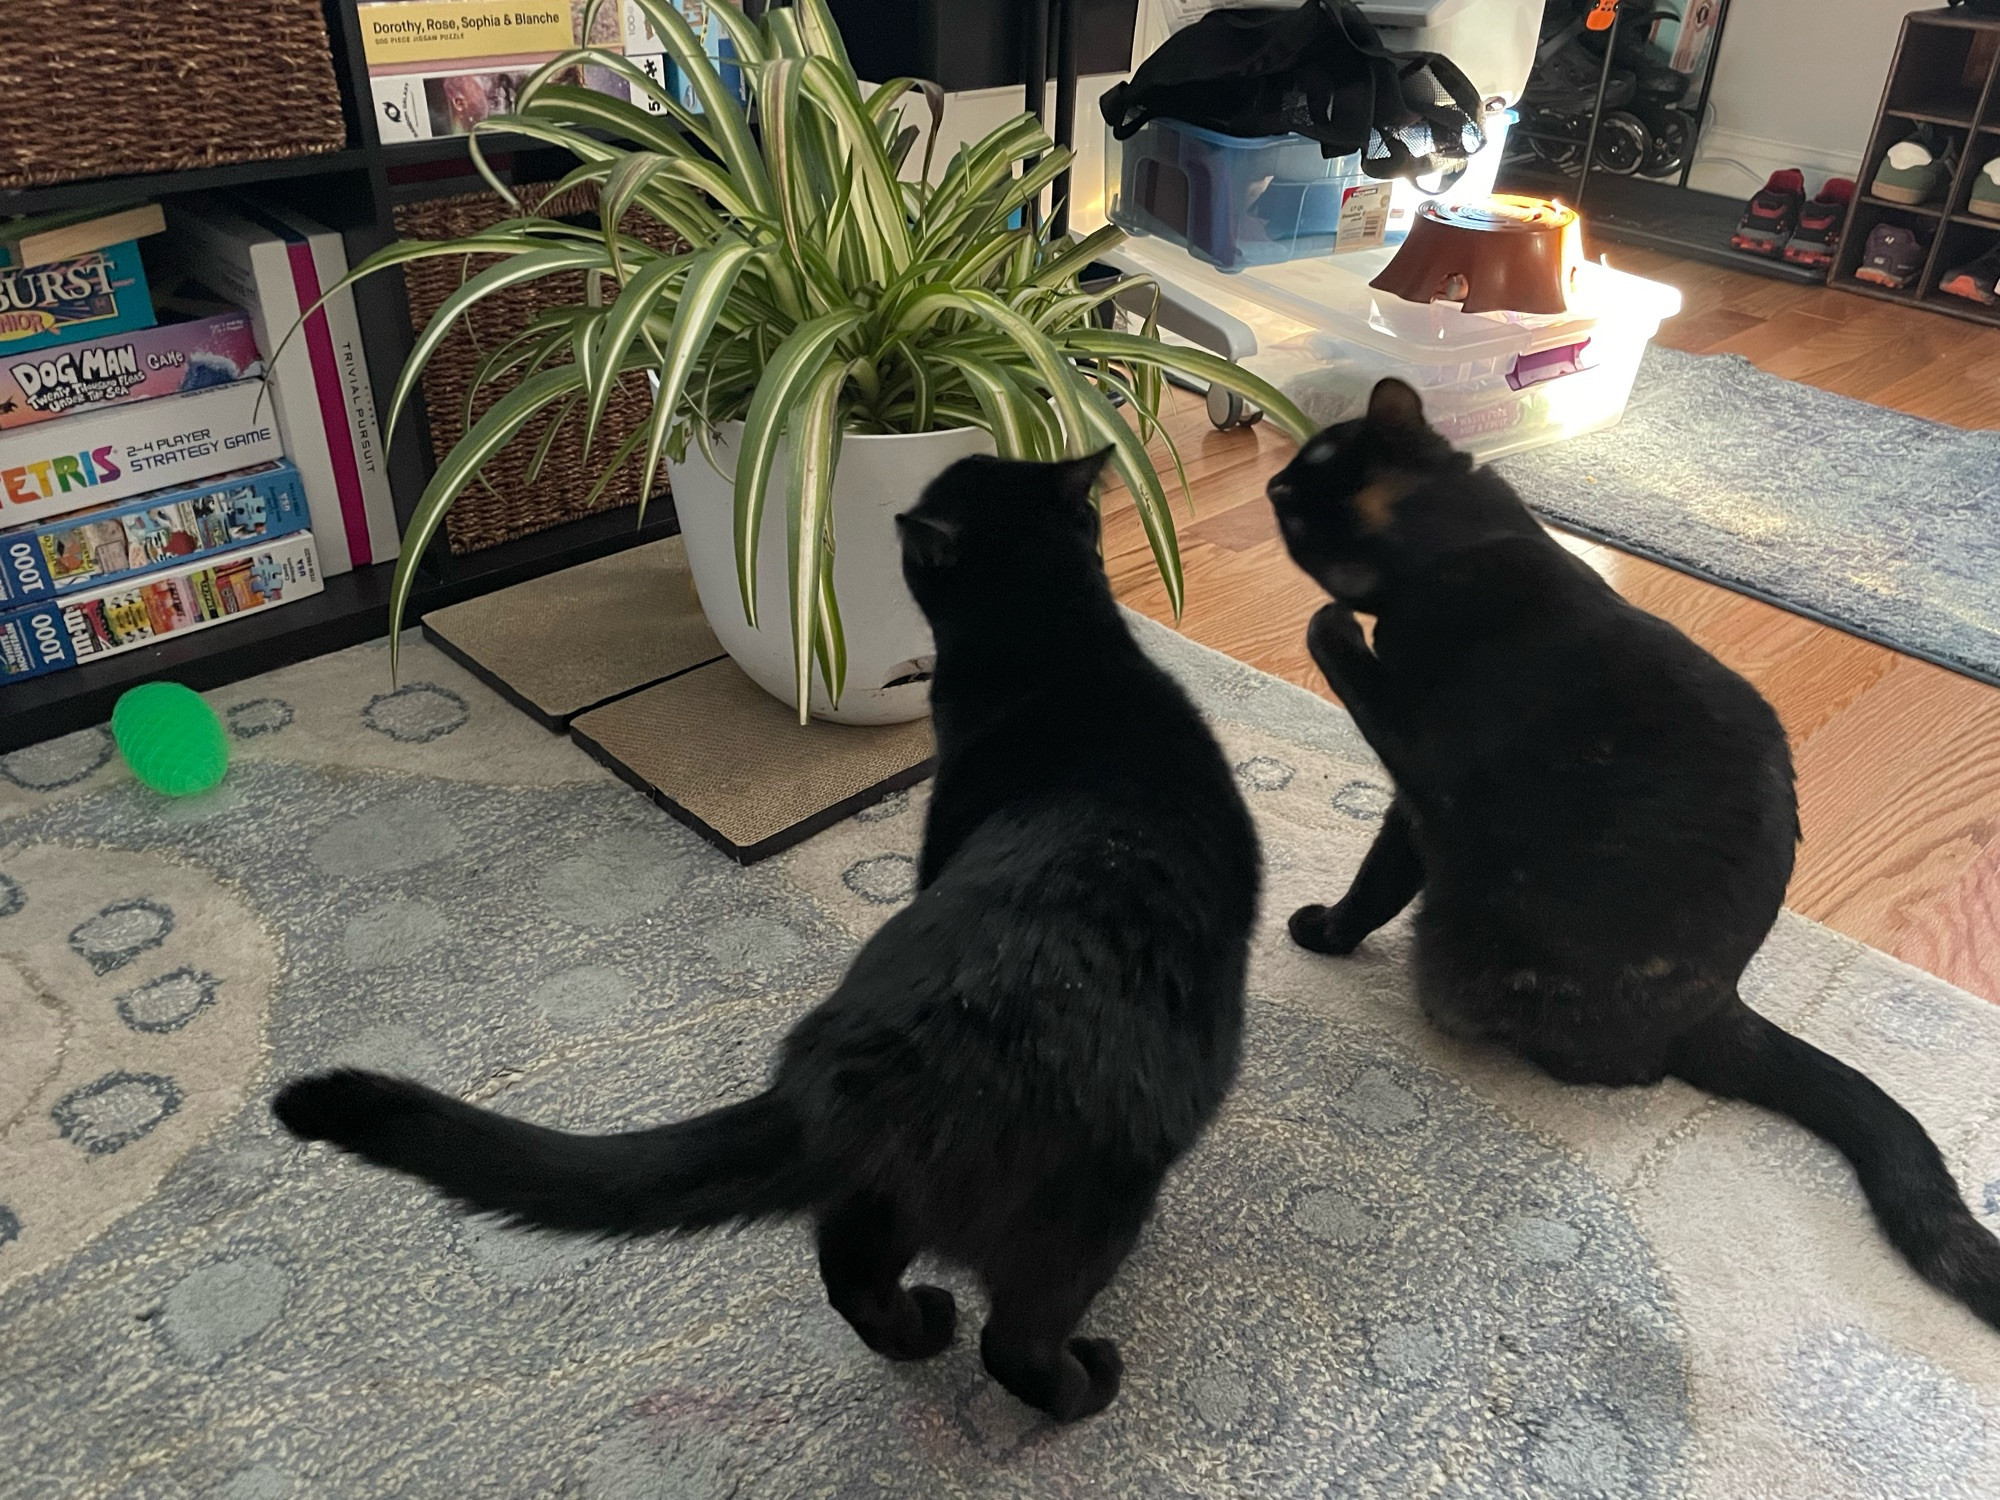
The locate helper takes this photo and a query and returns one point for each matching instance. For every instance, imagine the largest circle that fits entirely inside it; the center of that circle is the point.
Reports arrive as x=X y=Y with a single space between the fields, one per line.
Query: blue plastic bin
x=1231 y=201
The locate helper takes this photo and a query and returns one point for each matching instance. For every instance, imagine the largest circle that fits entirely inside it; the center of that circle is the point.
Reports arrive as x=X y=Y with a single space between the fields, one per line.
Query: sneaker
x=1977 y=282
x=1820 y=223
x=1772 y=215
x=1916 y=169
x=1985 y=199
x=1893 y=257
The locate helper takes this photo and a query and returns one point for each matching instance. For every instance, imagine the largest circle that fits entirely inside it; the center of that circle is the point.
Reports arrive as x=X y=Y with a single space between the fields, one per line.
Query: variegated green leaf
x=790 y=371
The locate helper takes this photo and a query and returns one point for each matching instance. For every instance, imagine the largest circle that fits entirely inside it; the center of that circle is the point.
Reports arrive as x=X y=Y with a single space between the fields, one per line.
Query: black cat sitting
x=1015 y=1060
x=1599 y=815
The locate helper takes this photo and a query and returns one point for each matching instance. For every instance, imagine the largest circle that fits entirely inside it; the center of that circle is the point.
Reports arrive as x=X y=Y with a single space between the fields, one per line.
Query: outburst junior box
x=164 y=529
x=92 y=457
x=103 y=622
x=103 y=291
x=163 y=361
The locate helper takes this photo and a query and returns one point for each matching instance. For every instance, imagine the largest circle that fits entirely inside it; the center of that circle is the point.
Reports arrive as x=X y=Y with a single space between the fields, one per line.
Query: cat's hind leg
x=1040 y=1294
x=1388 y=880
x=865 y=1245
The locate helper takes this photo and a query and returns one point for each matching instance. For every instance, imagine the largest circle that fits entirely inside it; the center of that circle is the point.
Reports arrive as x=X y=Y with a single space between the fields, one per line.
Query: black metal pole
x=1707 y=83
x=1597 y=109
x=1037 y=74
x=1065 y=132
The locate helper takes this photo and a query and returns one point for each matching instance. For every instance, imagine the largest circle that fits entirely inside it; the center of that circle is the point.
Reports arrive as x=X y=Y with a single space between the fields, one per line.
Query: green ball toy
x=171 y=739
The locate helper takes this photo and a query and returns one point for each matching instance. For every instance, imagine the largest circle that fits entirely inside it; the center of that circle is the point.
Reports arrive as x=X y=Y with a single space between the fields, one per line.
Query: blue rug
x=1878 y=523
x=1397 y=1266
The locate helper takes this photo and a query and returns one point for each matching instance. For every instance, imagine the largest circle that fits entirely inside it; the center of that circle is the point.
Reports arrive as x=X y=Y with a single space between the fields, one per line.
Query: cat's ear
x=1077 y=478
x=1396 y=405
x=931 y=541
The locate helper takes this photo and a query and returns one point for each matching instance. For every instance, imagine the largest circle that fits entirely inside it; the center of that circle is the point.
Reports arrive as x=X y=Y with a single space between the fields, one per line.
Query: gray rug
x=1397 y=1267
x=1882 y=524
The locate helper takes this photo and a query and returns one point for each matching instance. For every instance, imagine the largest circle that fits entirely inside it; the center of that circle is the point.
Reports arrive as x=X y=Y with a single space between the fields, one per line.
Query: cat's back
x=1585 y=744
x=1077 y=960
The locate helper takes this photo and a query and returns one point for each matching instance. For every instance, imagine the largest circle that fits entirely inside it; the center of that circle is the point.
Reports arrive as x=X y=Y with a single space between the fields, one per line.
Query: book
x=116 y=453
x=88 y=296
x=439 y=67
x=163 y=529
x=77 y=231
x=105 y=621
x=276 y=264
x=424 y=33
x=159 y=361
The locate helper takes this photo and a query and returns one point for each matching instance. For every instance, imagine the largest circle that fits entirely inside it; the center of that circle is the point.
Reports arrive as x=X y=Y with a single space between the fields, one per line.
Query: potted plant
x=830 y=338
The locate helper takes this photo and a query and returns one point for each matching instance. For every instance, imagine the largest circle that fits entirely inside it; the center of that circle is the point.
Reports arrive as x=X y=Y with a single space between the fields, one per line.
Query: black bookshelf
x=353 y=190
x=353 y=608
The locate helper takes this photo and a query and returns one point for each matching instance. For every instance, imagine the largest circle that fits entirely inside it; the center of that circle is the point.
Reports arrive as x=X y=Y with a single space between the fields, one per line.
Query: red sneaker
x=1820 y=222
x=1772 y=215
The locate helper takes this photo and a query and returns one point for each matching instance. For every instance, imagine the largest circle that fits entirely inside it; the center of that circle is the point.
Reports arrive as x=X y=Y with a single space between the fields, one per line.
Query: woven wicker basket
x=102 y=88
x=506 y=505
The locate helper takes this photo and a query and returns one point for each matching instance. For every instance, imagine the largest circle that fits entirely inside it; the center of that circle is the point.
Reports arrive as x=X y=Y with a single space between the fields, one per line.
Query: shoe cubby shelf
x=1918 y=117
x=1945 y=77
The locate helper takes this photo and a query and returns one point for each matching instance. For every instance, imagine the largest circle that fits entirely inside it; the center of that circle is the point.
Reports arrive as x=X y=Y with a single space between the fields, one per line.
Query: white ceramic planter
x=887 y=638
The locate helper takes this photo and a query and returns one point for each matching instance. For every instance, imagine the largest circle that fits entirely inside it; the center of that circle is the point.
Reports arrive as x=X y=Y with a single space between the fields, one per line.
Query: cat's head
x=998 y=531
x=1362 y=501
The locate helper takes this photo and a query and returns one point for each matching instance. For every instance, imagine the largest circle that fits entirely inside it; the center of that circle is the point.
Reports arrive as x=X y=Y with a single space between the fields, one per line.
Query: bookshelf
x=354 y=191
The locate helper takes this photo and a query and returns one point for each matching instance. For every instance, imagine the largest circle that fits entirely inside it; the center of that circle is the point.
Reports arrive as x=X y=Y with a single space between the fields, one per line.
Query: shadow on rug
x=1395 y=1267
x=1881 y=524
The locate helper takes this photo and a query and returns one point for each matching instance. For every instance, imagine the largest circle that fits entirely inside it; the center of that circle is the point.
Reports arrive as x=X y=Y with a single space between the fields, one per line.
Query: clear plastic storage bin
x=1234 y=201
x=1494 y=383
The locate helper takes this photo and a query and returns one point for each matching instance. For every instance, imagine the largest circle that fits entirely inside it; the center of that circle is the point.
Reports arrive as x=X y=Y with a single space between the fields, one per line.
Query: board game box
x=100 y=292
x=92 y=457
x=102 y=622
x=164 y=529
x=159 y=361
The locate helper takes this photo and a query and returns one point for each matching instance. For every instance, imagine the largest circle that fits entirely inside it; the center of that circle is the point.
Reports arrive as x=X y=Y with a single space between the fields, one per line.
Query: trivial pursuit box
x=40 y=385
x=163 y=529
x=100 y=292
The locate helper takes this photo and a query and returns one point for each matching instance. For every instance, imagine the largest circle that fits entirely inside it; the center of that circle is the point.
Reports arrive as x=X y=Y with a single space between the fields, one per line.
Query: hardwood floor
x=1899 y=761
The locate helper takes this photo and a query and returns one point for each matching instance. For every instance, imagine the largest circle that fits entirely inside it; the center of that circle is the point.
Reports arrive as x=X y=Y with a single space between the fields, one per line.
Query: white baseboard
x=1736 y=164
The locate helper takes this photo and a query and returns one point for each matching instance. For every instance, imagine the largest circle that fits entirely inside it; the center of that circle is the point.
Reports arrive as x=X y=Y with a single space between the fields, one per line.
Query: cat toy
x=171 y=739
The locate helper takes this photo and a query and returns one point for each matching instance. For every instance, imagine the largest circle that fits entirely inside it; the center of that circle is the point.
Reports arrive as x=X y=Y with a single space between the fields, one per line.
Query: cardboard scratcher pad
x=734 y=764
x=557 y=645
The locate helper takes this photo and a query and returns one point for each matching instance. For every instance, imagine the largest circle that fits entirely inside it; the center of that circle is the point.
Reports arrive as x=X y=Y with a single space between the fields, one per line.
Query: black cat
x=1015 y=1060
x=1599 y=814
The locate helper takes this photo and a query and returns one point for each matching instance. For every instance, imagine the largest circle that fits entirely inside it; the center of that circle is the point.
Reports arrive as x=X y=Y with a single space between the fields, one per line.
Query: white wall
x=1797 y=86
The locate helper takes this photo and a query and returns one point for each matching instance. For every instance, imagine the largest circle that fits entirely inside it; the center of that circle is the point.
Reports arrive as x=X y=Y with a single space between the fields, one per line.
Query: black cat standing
x=1014 y=1060
x=1599 y=815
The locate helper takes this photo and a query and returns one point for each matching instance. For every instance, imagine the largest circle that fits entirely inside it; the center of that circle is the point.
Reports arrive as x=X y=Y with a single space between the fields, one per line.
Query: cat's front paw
x=1319 y=929
x=939 y=1322
x=1105 y=1367
x=1334 y=629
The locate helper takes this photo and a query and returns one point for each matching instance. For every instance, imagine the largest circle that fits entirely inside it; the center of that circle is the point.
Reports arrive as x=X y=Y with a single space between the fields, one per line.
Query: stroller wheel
x=1556 y=137
x=1673 y=137
x=1622 y=143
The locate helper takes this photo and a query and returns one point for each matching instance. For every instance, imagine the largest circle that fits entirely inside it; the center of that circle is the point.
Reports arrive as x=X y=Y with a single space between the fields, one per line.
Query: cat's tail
x=745 y=1161
x=1741 y=1055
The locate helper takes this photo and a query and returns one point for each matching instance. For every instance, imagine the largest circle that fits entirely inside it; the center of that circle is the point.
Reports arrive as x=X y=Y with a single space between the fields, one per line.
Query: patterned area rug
x=1396 y=1267
x=1879 y=523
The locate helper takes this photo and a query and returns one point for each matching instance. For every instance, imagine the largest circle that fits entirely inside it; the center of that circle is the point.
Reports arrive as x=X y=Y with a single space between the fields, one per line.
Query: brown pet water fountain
x=1500 y=254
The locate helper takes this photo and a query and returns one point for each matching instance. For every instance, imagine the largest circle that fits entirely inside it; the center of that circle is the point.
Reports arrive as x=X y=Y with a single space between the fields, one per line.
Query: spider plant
x=818 y=293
